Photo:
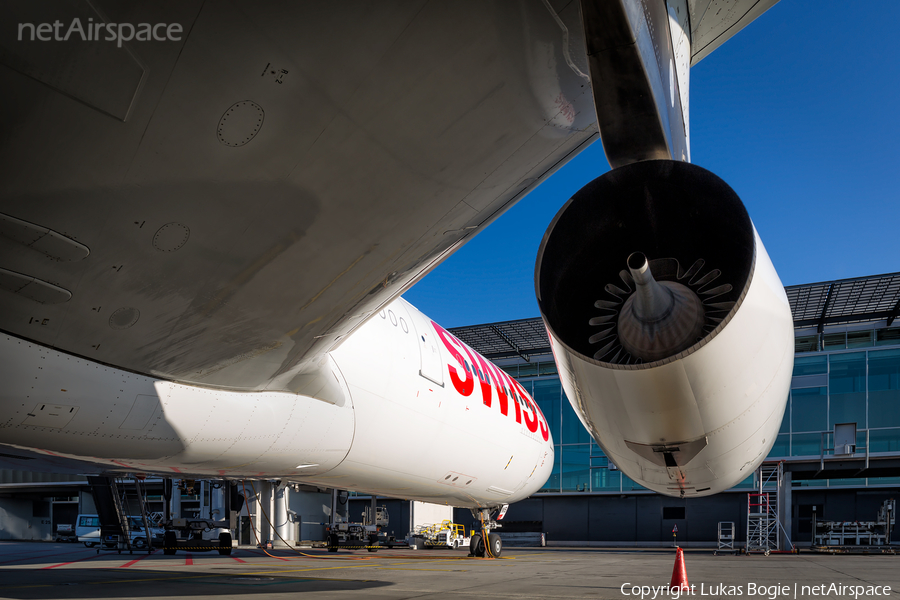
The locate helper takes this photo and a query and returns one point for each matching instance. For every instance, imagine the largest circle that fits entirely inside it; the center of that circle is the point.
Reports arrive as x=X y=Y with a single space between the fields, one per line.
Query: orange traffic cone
x=679 y=573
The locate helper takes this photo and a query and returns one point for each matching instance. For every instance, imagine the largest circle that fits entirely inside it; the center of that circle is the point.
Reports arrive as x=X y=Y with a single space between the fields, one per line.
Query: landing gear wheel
x=170 y=543
x=332 y=543
x=373 y=541
x=225 y=543
x=496 y=544
x=476 y=546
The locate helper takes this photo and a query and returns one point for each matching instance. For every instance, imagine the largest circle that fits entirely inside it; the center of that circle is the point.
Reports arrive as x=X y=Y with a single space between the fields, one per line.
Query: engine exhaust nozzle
x=651 y=301
x=660 y=319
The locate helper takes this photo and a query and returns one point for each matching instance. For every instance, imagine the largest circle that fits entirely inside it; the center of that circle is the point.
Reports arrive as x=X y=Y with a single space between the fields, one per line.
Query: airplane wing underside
x=714 y=22
x=225 y=208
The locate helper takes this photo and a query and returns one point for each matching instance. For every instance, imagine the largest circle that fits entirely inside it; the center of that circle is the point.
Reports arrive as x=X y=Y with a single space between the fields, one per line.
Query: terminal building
x=846 y=371
x=846 y=379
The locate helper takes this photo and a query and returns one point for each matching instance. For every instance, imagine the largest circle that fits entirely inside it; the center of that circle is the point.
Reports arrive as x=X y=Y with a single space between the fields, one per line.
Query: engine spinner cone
x=661 y=318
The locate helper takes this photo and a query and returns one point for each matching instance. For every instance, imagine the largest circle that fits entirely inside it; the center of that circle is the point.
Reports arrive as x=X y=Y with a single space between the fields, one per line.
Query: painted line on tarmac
x=238 y=559
x=282 y=571
x=70 y=562
x=188 y=560
x=129 y=563
x=408 y=569
x=141 y=580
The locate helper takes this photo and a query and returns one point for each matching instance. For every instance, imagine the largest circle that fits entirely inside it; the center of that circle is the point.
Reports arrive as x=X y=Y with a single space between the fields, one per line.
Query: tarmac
x=33 y=570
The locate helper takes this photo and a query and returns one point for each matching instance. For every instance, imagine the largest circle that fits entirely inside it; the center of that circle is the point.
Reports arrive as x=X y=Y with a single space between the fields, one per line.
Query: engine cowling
x=669 y=325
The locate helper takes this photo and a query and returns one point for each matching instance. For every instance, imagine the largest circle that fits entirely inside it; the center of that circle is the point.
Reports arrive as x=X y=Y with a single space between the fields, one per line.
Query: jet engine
x=669 y=325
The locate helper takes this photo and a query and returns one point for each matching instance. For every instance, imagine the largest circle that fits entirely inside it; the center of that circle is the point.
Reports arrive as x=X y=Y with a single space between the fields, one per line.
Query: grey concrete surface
x=55 y=571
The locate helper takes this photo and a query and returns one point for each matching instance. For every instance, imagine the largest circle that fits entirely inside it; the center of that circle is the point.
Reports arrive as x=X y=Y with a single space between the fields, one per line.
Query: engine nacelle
x=669 y=325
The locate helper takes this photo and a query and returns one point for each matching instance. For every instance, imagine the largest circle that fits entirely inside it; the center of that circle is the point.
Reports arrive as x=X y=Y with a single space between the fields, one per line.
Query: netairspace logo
x=96 y=32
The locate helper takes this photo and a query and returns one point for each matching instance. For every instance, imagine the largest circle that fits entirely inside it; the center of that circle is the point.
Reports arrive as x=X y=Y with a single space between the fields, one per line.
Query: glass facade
x=861 y=387
x=854 y=379
x=889 y=336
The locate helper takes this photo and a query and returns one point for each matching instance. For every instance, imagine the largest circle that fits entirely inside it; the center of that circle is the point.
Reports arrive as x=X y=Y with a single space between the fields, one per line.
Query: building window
x=806 y=343
x=806 y=444
x=834 y=341
x=528 y=370
x=629 y=485
x=747 y=483
x=847 y=389
x=547 y=394
x=604 y=480
x=782 y=446
x=859 y=339
x=576 y=465
x=810 y=365
x=809 y=409
x=888 y=337
x=884 y=388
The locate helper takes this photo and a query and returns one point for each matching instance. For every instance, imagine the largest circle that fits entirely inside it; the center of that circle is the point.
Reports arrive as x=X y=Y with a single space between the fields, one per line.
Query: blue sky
x=799 y=113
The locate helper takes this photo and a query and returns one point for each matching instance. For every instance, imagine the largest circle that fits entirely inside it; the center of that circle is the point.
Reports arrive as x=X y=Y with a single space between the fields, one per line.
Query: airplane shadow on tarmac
x=71 y=583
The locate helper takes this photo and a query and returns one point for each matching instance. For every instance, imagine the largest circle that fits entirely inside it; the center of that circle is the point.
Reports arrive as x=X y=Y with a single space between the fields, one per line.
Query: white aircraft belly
x=390 y=430
x=178 y=428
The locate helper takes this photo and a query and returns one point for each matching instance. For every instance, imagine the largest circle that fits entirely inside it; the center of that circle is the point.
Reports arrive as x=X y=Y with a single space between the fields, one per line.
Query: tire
x=139 y=543
x=496 y=544
x=90 y=544
x=476 y=546
x=332 y=543
x=170 y=543
x=455 y=545
x=225 y=544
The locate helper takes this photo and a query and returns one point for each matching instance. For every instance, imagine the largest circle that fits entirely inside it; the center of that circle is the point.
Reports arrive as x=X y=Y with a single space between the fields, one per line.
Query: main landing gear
x=486 y=543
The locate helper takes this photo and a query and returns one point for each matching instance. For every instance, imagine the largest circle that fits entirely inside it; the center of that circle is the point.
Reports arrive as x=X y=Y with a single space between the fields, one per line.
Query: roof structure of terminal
x=856 y=300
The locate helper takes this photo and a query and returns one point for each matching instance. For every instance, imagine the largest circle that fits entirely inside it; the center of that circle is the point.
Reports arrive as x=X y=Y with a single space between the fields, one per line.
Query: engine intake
x=655 y=217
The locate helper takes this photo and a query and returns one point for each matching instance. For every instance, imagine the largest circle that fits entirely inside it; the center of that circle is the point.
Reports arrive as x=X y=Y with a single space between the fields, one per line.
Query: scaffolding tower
x=764 y=528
